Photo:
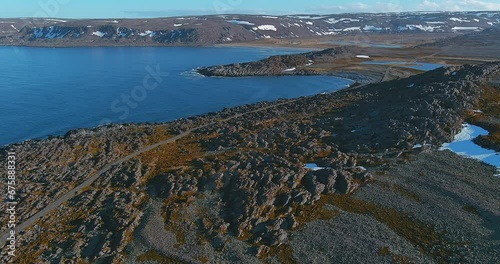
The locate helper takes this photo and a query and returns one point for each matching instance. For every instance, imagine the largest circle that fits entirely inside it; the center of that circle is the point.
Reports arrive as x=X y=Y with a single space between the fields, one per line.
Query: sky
x=162 y=8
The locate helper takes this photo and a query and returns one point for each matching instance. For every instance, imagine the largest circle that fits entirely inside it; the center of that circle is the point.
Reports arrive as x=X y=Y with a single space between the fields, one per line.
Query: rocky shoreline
x=237 y=181
x=279 y=65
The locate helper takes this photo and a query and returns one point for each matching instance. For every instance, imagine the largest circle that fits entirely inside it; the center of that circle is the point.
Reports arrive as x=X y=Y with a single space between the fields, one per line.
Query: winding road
x=72 y=193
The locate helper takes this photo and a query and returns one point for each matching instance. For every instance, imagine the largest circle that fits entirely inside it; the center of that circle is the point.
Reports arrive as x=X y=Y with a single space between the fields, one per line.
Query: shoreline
x=159 y=123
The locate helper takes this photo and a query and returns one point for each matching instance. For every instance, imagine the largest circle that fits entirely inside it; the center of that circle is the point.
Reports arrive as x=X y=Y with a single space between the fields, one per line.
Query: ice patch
x=270 y=17
x=464 y=146
x=468 y=133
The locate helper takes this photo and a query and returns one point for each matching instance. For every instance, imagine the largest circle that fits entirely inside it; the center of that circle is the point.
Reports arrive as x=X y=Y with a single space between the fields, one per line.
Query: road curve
x=72 y=193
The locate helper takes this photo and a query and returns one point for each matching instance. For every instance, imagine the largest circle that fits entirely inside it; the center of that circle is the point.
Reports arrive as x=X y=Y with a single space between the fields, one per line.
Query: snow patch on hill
x=267 y=27
x=99 y=34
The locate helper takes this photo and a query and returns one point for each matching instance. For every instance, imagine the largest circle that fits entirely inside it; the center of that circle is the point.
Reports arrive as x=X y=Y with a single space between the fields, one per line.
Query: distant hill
x=217 y=29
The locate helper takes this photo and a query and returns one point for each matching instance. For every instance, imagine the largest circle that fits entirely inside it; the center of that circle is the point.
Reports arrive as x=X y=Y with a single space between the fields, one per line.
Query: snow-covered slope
x=203 y=30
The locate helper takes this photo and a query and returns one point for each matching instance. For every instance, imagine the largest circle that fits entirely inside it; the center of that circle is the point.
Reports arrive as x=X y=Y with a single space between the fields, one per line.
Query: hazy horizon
x=94 y=9
x=247 y=14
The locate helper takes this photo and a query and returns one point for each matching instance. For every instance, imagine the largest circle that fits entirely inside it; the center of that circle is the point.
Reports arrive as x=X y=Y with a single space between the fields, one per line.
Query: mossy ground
x=489 y=104
x=159 y=258
x=423 y=236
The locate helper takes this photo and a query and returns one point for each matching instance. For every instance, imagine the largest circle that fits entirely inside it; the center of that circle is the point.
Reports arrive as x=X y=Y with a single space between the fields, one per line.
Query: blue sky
x=158 y=8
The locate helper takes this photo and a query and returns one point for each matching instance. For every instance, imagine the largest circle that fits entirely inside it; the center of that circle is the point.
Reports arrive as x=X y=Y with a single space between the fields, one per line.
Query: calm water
x=48 y=91
x=363 y=44
x=422 y=66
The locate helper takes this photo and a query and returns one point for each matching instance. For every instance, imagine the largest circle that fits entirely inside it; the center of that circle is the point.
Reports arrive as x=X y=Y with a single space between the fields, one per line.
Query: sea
x=49 y=91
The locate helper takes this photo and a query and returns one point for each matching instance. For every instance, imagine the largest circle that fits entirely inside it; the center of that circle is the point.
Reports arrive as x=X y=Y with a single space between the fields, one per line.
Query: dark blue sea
x=47 y=91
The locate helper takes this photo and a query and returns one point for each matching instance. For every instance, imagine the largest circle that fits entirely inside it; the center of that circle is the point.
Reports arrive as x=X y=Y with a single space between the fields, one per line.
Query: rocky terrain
x=209 y=30
x=279 y=65
x=233 y=186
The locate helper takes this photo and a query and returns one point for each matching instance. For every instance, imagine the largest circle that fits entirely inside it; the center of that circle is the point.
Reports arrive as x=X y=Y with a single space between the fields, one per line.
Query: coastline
x=337 y=131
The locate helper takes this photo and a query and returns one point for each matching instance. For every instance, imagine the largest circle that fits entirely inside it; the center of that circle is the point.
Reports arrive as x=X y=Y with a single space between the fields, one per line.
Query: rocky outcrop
x=278 y=65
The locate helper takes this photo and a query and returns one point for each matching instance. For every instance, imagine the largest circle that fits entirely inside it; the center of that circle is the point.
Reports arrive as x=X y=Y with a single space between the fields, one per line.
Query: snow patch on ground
x=372 y=28
x=467 y=28
x=344 y=20
x=177 y=25
x=99 y=34
x=456 y=19
x=315 y=17
x=352 y=29
x=290 y=70
x=362 y=56
x=313 y=167
x=146 y=33
x=267 y=27
x=56 y=20
x=463 y=145
x=421 y=27
x=240 y=22
x=110 y=21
